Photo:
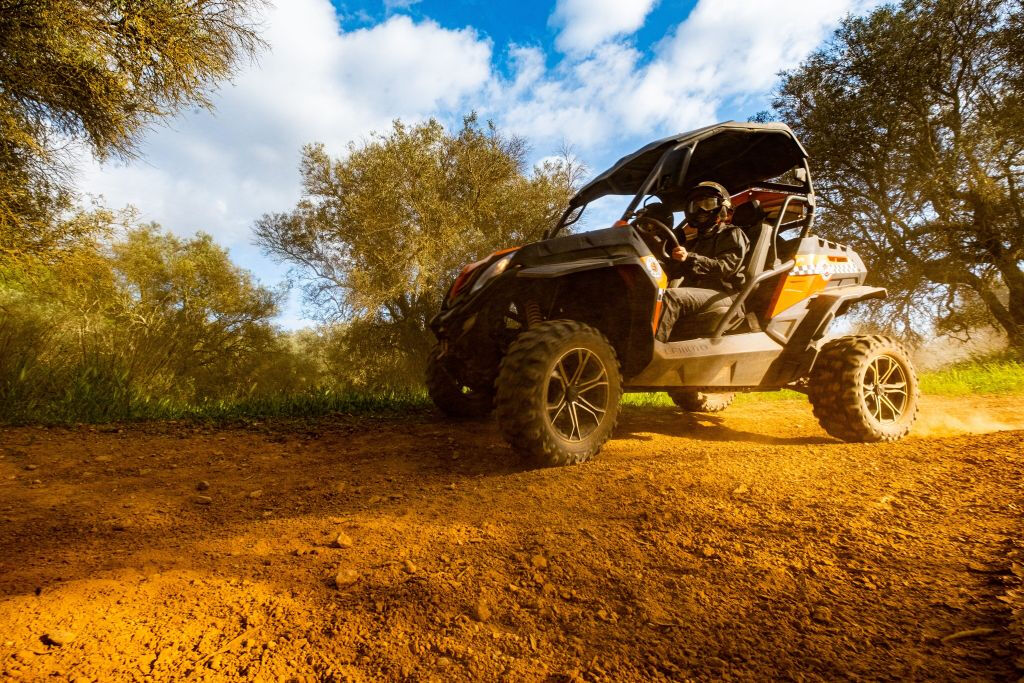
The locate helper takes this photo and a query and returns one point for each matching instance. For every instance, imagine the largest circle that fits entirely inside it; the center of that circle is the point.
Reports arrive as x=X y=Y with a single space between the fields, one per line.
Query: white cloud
x=585 y=24
x=219 y=172
x=736 y=46
x=724 y=49
x=594 y=103
x=392 y=5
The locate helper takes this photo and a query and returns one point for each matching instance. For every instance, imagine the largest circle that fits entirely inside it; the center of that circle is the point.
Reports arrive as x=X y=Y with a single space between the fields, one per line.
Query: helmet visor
x=702 y=204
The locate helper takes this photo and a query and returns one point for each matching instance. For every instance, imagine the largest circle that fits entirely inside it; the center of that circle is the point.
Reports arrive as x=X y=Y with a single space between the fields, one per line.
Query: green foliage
x=153 y=326
x=304 y=404
x=97 y=72
x=976 y=377
x=382 y=232
x=147 y=322
x=186 y=313
x=913 y=117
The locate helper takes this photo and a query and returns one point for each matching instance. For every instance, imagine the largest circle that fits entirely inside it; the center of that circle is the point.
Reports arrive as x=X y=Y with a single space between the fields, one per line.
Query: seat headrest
x=748 y=214
x=659 y=212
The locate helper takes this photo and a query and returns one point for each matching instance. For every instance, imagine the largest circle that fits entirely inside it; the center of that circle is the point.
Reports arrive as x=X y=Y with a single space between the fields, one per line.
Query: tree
x=381 y=233
x=147 y=319
x=99 y=72
x=183 y=310
x=913 y=117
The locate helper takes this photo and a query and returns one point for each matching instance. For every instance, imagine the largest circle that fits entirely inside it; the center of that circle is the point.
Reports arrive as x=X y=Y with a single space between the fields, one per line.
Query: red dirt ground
x=741 y=546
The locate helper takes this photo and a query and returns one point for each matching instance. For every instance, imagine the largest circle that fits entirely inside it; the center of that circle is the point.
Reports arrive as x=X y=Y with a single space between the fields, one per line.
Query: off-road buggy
x=552 y=333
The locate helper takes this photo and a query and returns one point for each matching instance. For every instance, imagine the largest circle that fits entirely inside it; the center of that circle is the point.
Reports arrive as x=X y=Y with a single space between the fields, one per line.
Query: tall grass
x=94 y=398
x=662 y=400
x=86 y=407
x=998 y=376
x=312 y=403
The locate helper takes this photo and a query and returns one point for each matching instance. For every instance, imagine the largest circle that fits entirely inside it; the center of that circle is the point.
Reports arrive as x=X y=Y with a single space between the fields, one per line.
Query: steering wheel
x=670 y=239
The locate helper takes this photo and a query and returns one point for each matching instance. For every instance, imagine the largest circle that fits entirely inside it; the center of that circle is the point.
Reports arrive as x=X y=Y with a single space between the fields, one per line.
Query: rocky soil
x=742 y=546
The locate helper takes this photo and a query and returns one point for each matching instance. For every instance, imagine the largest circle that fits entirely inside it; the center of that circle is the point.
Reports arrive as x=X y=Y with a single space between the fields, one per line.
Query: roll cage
x=744 y=157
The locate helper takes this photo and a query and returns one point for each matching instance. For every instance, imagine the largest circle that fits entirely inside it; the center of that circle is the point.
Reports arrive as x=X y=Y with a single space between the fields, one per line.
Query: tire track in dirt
x=744 y=545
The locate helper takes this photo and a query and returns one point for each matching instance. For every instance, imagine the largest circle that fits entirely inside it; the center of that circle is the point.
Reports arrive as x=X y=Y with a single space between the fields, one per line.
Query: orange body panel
x=810 y=274
x=468 y=269
x=463 y=278
x=657 y=316
x=657 y=274
x=793 y=289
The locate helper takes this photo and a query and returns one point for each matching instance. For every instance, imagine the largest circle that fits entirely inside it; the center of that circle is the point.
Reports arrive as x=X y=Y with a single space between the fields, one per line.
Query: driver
x=709 y=261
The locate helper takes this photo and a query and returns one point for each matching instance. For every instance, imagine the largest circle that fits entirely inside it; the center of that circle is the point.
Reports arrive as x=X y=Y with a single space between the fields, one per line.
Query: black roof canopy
x=737 y=155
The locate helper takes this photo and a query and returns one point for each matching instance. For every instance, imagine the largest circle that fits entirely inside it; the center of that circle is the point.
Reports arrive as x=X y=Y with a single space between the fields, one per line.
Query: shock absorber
x=533 y=316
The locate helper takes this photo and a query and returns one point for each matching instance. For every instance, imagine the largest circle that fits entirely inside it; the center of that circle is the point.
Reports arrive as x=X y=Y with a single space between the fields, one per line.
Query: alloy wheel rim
x=577 y=394
x=885 y=389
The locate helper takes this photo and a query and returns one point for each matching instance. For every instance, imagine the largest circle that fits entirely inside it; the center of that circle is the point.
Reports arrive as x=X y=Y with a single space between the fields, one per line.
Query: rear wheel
x=864 y=388
x=700 y=402
x=558 y=392
x=452 y=397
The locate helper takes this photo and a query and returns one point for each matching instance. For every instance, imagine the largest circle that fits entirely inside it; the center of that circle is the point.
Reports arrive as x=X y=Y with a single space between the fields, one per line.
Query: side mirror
x=801 y=174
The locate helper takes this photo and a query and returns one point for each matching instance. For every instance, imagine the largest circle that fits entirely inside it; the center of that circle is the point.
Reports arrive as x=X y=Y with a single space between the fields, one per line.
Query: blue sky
x=604 y=76
x=521 y=23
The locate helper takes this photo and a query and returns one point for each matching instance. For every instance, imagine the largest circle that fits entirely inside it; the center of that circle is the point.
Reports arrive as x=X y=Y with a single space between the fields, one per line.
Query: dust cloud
x=943 y=423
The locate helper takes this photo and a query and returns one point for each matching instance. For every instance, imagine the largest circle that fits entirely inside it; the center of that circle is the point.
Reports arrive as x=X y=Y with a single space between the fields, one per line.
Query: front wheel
x=558 y=392
x=864 y=388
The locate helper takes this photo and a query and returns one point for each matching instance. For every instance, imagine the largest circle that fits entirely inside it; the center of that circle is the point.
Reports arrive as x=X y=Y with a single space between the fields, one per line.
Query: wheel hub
x=885 y=385
x=577 y=394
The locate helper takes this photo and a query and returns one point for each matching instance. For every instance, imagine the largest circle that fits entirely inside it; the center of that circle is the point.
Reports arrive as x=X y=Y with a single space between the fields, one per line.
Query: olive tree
x=381 y=232
x=98 y=72
x=912 y=115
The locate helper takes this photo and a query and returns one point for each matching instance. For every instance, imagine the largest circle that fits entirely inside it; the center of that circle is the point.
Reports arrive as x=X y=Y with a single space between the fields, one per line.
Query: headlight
x=493 y=271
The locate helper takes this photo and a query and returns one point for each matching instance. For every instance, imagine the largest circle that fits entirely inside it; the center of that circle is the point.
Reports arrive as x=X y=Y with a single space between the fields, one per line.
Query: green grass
x=976 y=377
x=661 y=399
x=995 y=376
x=308 y=404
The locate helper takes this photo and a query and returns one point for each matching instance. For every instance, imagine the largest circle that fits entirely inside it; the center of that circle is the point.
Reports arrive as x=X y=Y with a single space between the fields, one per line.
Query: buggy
x=549 y=335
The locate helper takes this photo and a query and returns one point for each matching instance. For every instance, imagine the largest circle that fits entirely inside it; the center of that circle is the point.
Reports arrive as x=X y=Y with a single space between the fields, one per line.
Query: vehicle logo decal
x=821 y=264
x=655 y=270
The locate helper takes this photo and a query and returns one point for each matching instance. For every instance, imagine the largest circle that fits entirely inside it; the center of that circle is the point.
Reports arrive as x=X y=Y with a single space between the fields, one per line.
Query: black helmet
x=706 y=205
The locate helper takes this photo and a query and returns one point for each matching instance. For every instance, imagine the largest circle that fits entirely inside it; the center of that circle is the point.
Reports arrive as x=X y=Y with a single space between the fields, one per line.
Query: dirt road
x=743 y=546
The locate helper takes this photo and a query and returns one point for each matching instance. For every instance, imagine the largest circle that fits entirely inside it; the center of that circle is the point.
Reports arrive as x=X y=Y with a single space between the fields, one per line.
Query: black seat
x=751 y=218
x=763 y=256
x=747 y=215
